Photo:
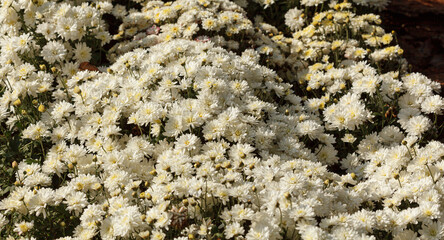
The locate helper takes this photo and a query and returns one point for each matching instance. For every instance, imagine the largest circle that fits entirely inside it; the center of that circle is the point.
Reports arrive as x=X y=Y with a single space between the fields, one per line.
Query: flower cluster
x=209 y=125
x=161 y=22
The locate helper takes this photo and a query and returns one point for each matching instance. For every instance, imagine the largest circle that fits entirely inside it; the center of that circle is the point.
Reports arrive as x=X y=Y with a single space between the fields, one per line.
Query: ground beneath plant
x=419 y=25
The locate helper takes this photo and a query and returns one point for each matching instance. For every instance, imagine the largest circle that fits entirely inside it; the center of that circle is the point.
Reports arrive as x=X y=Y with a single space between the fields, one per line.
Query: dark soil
x=420 y=32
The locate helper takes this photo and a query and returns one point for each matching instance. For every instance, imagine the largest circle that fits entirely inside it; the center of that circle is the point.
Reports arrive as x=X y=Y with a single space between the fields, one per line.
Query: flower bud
x=251 y=166
x=218 y=166
x=327 y=182
x=76 y=90
x=167 y=197
x=42 y=108
x=287 y=195
x=17 y=102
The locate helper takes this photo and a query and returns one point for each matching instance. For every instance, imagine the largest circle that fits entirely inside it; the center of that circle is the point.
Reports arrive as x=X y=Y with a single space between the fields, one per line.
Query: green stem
x=430 y=171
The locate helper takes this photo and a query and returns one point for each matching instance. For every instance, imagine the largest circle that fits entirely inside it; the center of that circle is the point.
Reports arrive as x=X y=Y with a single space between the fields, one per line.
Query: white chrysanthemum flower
x=36 y=131
x=407 y=234
x=3 y=221
x=294 y=19
x=82 y=53
x=23 y=227
x=76 y=201
x=23 y=43
x=47 y=30
x=39 y=202
x=312 y=2
x=310 y=128
x=3 y=112
x=187 y=142
x=233 y=229
x=433 y=104
x=54 y=51
x=126 y=220
x=417 y=125
x=348 y=113
x=348 y=138
x=432 y=230
x=61 y=110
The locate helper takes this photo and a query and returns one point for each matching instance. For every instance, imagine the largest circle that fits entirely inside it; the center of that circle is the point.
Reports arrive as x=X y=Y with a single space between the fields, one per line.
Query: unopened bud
x=353 y=175
x=287 y=195
x=218 y=166
x=42 y=108
x=105 y=207
x=251 y=166
x=226 y=164
x=14 y=164
x=76 y=90
x=17 y=102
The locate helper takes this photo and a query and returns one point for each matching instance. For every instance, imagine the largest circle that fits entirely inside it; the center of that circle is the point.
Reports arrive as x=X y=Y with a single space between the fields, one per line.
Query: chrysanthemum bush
x=214 y=121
